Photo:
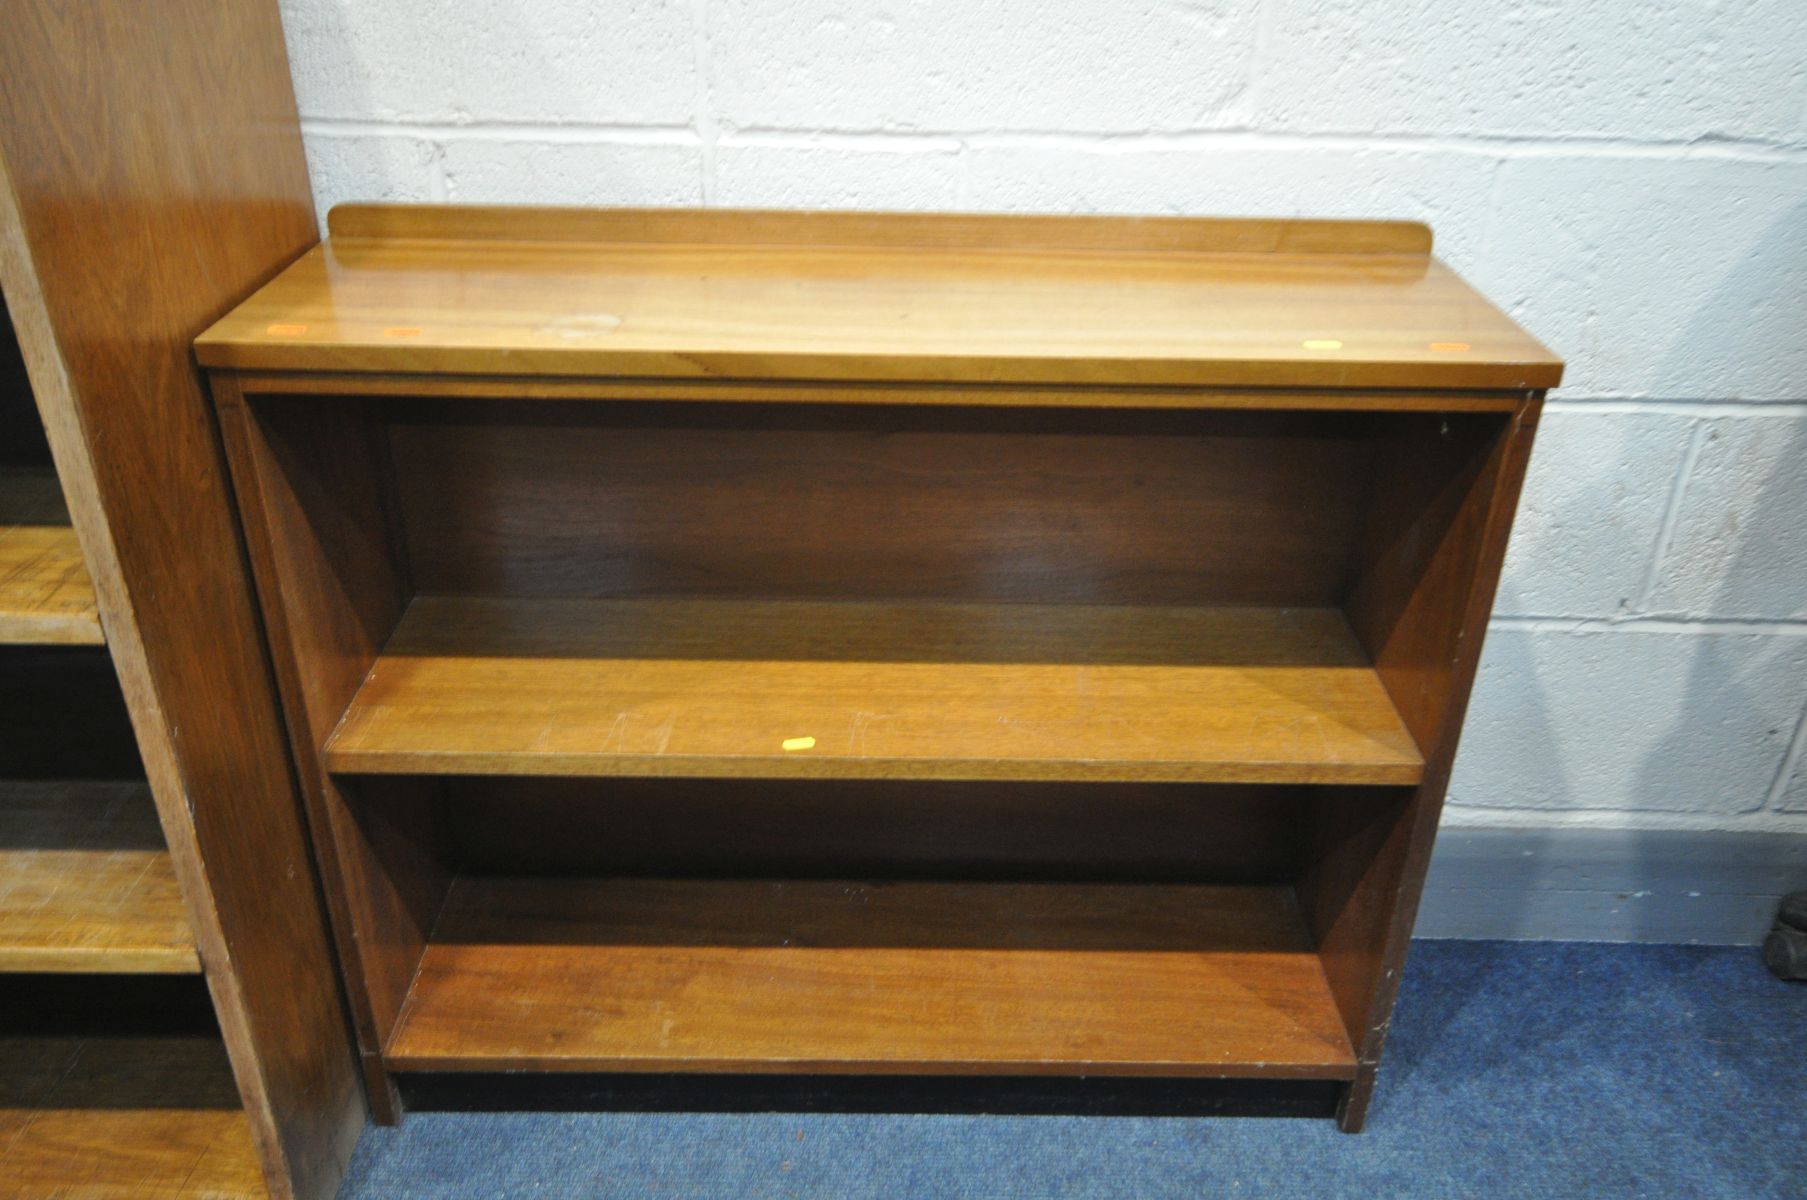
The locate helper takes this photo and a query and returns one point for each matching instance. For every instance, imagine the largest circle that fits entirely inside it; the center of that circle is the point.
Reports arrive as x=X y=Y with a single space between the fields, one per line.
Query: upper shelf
x=46 y=597
x=1119 y=301
x=773 y=690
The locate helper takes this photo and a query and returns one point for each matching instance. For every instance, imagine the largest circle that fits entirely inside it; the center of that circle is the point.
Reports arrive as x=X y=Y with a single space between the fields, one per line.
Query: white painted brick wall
x=1628 y=178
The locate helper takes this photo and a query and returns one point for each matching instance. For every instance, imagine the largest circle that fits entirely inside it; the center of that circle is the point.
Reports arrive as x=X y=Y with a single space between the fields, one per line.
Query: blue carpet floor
x=1550 y=1070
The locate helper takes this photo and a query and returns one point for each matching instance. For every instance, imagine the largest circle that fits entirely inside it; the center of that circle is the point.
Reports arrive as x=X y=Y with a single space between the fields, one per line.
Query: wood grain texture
x=45 y=594
x=86 y=884
x=473 y=686
x=1365 y=929
x=310 y=480
x=944 y=231
x=151 y=176
x=877 y=504
x=807 y=392
x=564 y=975
x=123 y=1118
x=807 y=307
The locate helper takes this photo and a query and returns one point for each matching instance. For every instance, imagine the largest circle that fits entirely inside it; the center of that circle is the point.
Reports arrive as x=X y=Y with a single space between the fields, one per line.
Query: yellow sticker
x=402 y=331
x=1323 y=344
x=1450 y=347
x=285 y=330
x=802 y=743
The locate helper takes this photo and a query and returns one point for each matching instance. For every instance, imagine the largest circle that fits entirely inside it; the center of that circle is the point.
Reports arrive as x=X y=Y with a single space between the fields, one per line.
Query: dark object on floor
x=1785 y=949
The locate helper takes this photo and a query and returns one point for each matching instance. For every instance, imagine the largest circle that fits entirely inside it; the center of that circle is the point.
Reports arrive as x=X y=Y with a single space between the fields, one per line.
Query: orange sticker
x=1322 y=344
x=402 y=331
x=285 y=330
x=1450 y=347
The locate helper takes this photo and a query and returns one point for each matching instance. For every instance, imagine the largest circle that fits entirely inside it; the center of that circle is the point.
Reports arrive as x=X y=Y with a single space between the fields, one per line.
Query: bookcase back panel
x=827 y=502
x=874 y=829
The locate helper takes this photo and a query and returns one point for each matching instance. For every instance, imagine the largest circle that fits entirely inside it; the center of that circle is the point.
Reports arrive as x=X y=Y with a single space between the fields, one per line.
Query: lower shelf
x=86 y=884
x=97 y=1104
x=889 y=978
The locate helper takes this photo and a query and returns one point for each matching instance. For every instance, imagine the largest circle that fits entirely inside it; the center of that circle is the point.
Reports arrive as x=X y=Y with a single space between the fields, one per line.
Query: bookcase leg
x=1352 y=1109
x=385 y=1104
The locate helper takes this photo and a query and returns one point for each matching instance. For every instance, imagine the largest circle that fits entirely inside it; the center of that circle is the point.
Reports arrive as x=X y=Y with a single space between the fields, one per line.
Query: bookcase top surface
x=697 y=294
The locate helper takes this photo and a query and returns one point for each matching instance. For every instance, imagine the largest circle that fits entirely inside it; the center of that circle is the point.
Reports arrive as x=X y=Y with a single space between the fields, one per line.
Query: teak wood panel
x=1037 y=506
x=474 y=686
x=1426 y=579
x=925 y=304
x=842 y=392
x=315 y=502
x=46 y=597
x=86 y=884
x=457 y=334
x=638 y=975
x=152 y=175
x=942 y=231
x=123 y=1117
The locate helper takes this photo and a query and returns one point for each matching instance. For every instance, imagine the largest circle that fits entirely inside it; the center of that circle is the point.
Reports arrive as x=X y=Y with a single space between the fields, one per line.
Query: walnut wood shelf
x=971 y=299
x=884 y=978
x=861 y=691
x=855 y=644
x=86 y=885
x=46 y=597
x=123 y=1093
x=123 y=1118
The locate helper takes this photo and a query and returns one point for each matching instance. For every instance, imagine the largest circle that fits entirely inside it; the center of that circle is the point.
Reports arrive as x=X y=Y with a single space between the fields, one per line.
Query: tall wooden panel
x=151 y=175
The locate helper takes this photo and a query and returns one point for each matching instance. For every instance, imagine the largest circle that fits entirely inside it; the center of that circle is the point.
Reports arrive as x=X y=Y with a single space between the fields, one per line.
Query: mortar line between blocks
x=1102 y=141
x=1684 y=627
x=707 y=129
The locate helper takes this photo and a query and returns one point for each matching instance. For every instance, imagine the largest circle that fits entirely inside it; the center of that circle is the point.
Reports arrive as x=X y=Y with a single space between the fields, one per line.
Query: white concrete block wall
x=1627 y=178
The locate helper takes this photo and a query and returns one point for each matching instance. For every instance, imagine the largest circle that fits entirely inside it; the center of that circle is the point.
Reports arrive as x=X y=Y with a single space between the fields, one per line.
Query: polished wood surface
x=151 y=176
x=314 y=500
x=942 y=231
x=1101 y=593
x=1037 y=507
x=638 y=975
x=836 y=392
x=1423 y=616
x=474 y=686
x=808 y=296
x=123 y=1118
x=45 y=595
x=86 y=884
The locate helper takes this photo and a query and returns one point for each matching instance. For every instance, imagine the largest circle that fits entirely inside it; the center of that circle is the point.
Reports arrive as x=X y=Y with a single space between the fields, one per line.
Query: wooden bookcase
x=786 y=643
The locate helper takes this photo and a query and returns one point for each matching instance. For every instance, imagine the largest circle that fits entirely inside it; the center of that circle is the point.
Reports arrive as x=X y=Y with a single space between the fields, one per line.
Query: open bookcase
x=775 y=644
x=114 y=1080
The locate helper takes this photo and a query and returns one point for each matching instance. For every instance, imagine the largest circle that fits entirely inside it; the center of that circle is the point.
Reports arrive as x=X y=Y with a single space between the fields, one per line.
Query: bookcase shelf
x=866 y=645
x=46 y=597
x=86 y=885
x=880 y=978
x=119 y=1094
x=486 y=686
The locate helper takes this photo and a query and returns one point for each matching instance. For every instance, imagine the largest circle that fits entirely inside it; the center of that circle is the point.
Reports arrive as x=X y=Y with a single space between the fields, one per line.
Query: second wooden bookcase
x=820 y=643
